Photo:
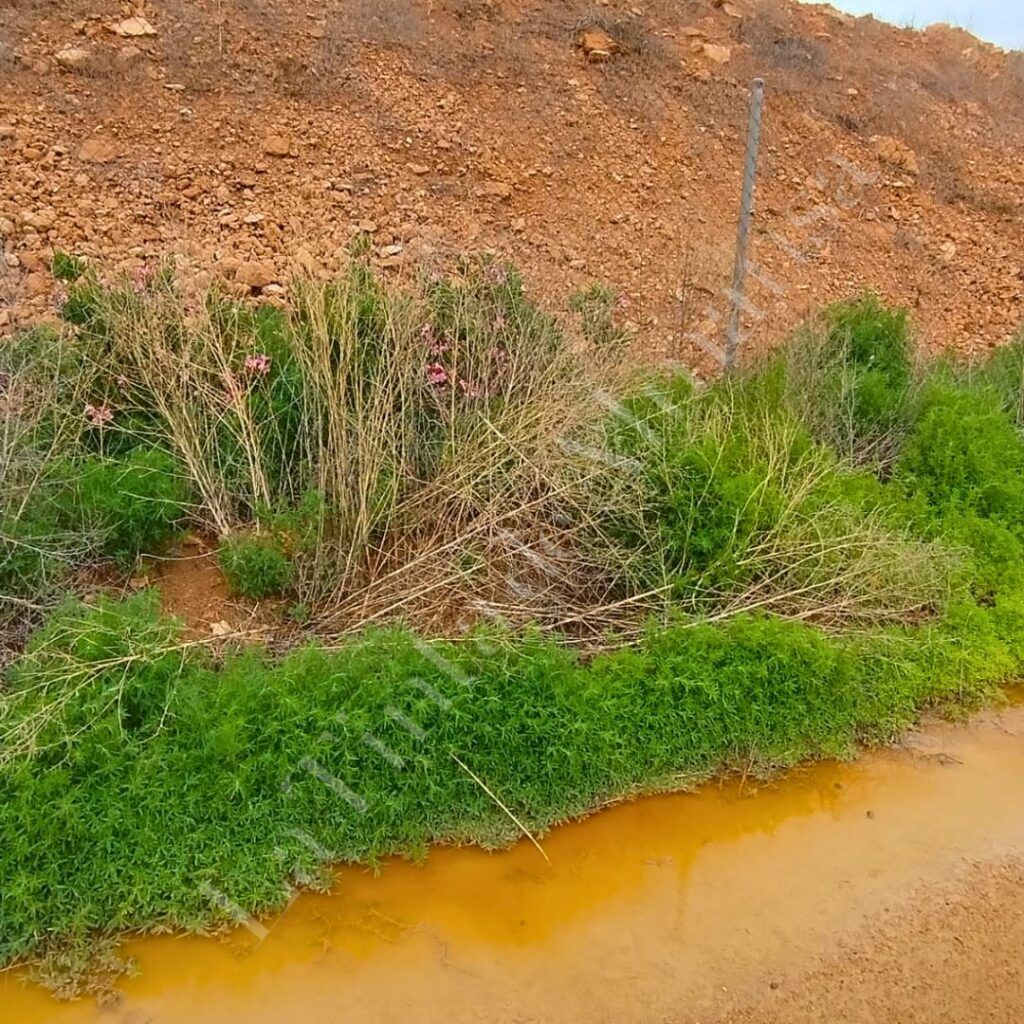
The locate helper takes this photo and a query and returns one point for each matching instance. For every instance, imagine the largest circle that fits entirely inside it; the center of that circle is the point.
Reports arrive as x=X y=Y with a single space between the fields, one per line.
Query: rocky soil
x=252 y=139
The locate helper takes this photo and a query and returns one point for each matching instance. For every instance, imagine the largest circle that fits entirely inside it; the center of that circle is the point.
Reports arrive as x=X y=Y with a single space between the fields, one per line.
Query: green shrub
x=107 y=670
x=35 y=558
x=131 y=505
x=741 y=508
x=67 y=268
x=874 y=341
x=255 y=566
x=1003 y=372
x=850 y=380
x=964 y=464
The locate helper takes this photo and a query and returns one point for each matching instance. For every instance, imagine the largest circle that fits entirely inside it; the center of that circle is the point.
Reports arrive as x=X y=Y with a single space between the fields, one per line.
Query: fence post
x=739 y=271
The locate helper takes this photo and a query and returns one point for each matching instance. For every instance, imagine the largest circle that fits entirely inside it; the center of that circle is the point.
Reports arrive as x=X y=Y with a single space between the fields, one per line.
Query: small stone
x=367 y=226
x=37 y=284
x=387 y=251
x=498 y=189
x=134 y=28
x=255 y=274
x=596 y=44
x=72 y=57
x=715 y=52
x=277 y=145
x=128 y=55
x=419 y=168
x=897 y=154
x=98 y=150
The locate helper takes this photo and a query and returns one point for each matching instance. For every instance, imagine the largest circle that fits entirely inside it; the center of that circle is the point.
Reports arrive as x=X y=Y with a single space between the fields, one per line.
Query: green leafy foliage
x=964 y=465
x=740 y=504
x=162 y=779
x=131 y=504
x=874 y=342
x=67 y=268
x=255 y=566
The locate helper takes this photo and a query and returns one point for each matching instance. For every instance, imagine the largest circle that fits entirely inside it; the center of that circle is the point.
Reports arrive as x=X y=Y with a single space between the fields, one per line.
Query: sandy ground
x=953 y=958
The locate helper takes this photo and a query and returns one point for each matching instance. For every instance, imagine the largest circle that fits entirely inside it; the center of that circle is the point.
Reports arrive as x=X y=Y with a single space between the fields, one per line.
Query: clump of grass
x=1003 y=372
x=255 y=566
x=130 y=504
x=597 y=308
x=422 y=423
x=850 y=377
x=742 y=509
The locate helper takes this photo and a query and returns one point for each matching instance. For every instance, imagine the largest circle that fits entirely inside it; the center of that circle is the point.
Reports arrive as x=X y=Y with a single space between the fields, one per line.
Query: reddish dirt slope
x=254 y=137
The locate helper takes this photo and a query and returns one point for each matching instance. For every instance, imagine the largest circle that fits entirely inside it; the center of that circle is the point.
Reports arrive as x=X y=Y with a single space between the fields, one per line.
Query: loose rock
x=134 y=27
x=255 y=274
x=895 y=153
x=277 y=145
x=596 y=43
x=98 y=150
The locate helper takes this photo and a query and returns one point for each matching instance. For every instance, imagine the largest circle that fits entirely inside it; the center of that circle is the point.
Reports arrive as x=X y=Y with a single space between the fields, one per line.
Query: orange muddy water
x=671 y=908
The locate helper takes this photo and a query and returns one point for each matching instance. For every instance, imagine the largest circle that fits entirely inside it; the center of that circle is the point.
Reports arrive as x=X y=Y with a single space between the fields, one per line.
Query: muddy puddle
x=653 y=910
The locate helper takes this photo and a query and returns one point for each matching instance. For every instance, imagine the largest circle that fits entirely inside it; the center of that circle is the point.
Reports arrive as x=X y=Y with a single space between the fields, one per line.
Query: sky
x=998 y=21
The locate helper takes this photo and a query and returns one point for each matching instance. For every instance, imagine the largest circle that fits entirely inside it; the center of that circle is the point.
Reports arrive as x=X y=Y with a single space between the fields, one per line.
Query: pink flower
x=97 y=415
x=435 y=346
x=471 y=390
x=258 y=364
x=436 y=374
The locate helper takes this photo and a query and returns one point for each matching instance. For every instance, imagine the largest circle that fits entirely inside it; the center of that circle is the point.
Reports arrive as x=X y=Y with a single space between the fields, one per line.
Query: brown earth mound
x=585 y=142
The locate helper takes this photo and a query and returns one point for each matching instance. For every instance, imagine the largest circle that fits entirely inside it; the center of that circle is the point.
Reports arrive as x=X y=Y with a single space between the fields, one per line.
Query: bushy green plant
x=162 y=780
x=255 y=566
x=964 y=463
x=874 y=340
x=741 y=508
x=67 y=268
x=1003 y=372
x=849 y=377
x=108 y=669
x=131 y=505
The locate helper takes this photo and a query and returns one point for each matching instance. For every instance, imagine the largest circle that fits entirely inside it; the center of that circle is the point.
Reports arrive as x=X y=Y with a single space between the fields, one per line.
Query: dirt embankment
x=254 y=138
